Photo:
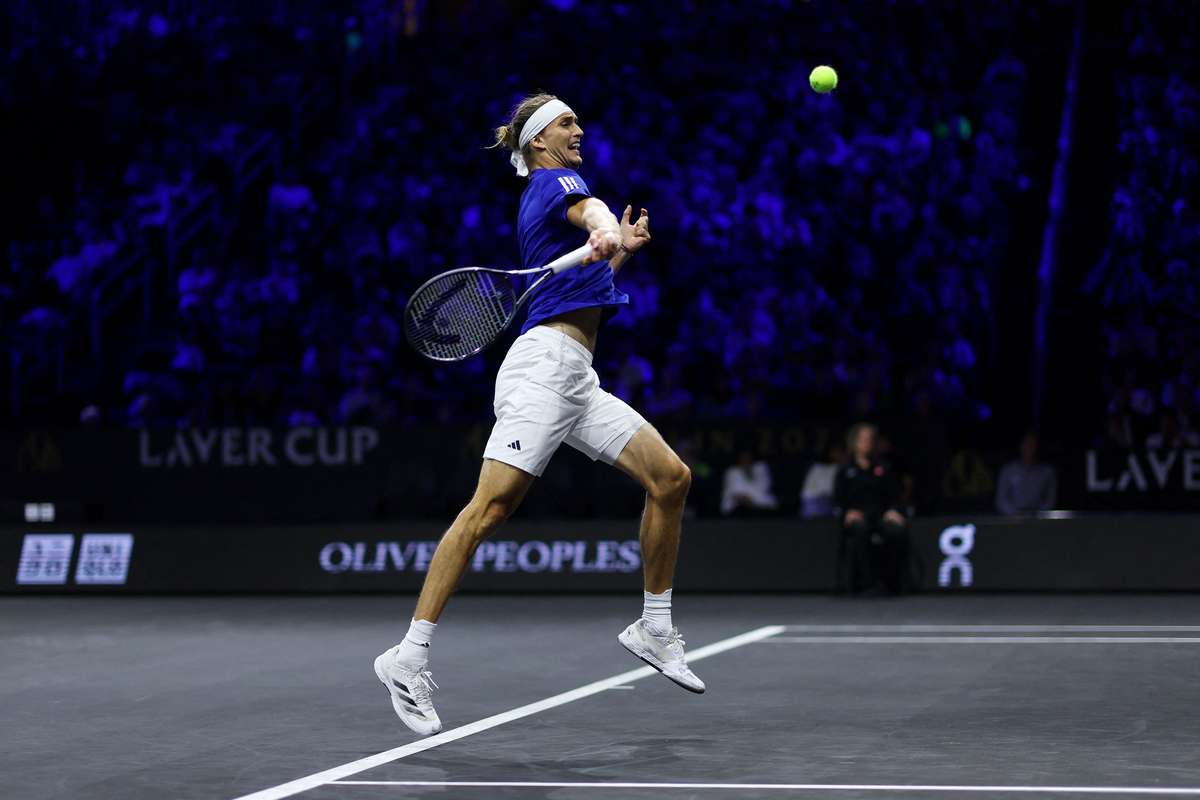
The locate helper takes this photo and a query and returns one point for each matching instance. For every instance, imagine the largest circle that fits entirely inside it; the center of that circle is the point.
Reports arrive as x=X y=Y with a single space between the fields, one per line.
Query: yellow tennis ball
x=823 y=79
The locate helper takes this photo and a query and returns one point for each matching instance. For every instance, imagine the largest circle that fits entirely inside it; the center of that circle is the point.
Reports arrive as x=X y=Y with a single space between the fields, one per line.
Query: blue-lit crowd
x=224 y=213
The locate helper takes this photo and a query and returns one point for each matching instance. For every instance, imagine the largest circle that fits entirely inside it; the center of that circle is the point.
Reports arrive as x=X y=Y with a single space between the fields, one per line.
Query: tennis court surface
x=1076 y=696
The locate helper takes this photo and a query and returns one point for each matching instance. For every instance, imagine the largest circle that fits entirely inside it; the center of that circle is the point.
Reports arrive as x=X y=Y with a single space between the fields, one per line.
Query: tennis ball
x=823 y=79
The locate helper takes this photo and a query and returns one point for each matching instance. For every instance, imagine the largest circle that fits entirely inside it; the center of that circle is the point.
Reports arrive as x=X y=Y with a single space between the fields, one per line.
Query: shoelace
x=674 y=638
x=675 y=643
x=425 y=685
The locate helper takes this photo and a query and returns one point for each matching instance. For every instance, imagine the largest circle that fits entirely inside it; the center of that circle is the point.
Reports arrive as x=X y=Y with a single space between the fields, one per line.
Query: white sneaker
x=663 y=651
x=411 y=691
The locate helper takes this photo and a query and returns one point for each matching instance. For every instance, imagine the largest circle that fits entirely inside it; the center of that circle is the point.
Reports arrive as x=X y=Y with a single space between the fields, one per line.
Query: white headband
x=546 y=114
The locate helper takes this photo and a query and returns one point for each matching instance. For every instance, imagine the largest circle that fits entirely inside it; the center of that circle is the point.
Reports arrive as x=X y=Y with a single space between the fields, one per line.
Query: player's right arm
x=593 y=216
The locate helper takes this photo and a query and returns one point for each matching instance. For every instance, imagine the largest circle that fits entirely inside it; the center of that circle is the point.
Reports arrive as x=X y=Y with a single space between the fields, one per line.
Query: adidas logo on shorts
x=515 y=445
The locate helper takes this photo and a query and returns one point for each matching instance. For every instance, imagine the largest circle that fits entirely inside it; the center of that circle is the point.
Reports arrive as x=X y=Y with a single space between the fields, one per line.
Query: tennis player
x=547 y=393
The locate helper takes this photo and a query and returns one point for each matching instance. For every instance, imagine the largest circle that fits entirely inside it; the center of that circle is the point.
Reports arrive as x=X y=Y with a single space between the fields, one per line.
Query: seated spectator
x=867 y=495
x=197 y=286
x=290 y=203
x=816 y=496
x=747 y=487
x=1026 y=486
x=913 y=184
x=1118 y=432
x=1171 y=435
x=73 y=273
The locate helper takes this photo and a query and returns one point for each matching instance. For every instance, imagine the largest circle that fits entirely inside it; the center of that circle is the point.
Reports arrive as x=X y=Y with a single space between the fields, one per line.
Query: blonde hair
x=509 y=136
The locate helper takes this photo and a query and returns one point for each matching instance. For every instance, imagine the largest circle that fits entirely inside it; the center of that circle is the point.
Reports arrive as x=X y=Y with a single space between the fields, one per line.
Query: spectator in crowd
x=1171 y=434
x=747 y=489
x=1145 y=278
x=1026 y=485
x=867 y=494
x=1118 y=432
x=295 y=213
x=816 y=496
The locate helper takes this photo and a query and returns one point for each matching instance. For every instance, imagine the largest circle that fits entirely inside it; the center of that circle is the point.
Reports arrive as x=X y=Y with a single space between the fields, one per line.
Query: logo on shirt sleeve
x=570 y=183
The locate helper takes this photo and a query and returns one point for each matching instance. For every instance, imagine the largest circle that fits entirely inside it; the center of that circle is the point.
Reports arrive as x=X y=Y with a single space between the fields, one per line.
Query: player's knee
x=673 y=485
x=495 y=512
x=683 y=478
x=485 y=516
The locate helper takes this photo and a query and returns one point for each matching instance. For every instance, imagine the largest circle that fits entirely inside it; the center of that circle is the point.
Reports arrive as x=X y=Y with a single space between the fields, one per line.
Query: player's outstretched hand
x=635 y=236
x=604 y=244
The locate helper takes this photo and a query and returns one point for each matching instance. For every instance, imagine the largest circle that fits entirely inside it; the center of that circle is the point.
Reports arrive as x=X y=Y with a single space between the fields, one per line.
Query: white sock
x=656 y=610
x=415 y=647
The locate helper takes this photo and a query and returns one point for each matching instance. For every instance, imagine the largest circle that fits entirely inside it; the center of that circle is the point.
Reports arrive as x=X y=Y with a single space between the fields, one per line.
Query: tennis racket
x=457 y=314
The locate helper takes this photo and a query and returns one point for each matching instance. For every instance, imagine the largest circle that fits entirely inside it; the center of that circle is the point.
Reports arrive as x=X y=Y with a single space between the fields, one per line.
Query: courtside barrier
x=951 y=554
x=272 y=476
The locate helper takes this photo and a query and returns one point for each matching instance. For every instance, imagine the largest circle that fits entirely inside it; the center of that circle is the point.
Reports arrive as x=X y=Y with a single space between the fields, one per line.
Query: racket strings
x=459 y=314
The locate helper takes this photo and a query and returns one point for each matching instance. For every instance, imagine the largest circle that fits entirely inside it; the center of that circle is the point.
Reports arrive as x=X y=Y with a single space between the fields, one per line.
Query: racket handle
x=570 y=260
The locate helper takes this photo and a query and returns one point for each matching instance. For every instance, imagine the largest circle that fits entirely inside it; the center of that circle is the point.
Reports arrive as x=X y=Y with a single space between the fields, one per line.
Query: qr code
x=104 y=558
x=45 y=558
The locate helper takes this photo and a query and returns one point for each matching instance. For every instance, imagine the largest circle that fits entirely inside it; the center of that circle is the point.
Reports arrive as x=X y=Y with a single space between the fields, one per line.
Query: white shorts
x=547 y=393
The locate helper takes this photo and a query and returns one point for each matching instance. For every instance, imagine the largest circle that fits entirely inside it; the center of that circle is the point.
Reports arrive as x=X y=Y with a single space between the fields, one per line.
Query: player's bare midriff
x=582 y=325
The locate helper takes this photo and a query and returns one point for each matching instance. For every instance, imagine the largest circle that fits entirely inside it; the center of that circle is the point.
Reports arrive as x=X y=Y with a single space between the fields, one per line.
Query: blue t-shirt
x=545 y=234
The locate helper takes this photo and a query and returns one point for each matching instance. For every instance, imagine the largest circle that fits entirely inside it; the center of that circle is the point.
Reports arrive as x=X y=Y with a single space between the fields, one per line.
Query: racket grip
x=570 y=260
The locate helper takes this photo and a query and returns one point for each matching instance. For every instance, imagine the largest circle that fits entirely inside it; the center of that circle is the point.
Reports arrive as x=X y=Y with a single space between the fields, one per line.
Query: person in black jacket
x=867 y=494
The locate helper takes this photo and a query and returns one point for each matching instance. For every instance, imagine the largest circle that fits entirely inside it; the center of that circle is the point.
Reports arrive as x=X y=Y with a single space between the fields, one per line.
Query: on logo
x=956 y=543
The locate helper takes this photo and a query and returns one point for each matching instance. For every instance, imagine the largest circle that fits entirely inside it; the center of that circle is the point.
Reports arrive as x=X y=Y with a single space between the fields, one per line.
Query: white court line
x=811 y=787
x=992 y=628
x=445 y=737
x=983 y=640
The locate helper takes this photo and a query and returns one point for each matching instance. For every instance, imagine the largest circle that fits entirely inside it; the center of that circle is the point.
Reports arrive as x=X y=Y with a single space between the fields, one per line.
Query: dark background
x=216 y=211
